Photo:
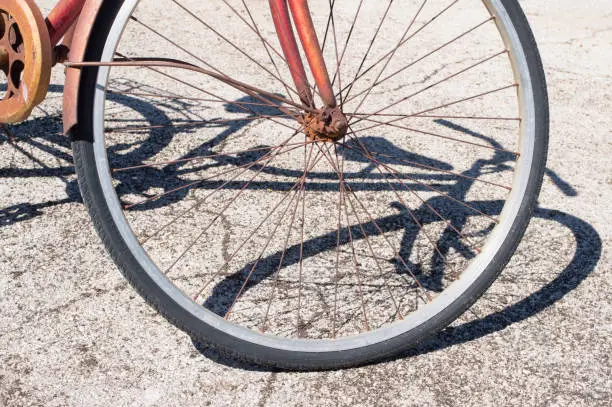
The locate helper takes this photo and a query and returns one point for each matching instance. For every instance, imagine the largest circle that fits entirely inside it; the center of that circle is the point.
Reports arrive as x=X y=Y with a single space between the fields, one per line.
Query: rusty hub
x=328 y=124
x=25 y=58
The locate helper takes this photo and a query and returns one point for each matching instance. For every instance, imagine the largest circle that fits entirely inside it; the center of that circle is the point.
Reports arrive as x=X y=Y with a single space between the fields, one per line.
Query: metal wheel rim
x=426 y=313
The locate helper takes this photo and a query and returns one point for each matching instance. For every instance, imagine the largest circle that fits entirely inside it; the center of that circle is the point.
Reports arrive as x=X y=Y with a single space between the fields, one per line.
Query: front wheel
x=265 y=242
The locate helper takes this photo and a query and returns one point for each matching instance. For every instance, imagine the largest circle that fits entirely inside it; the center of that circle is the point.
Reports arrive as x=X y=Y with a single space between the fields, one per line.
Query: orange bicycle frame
x=62 y=18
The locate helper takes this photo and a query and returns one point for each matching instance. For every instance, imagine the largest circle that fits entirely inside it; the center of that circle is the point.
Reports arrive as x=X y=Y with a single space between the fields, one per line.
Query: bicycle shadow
x=408 y=221
x=41 y=137
x=51 y=142
x=586 y=256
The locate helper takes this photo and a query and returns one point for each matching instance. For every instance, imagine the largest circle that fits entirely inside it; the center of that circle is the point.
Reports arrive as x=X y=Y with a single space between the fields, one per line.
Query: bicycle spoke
x=333 y=23
x=337 y=277
x=276 y=276
x=332 y=3
x=350 y=234
x=230 y=203
x=413 y=216
x=299 y=183
x=270 y=158
x=367 y=53
x=429 y=167
x=376 y=259
x=344 y=199
x=250 y=236
x=405 y=116
x=379 y=81
x=382 y=233
x=417 y=131
x=194 y=123
x=423 y=202
x=239 y=49
x=202 y=157
x=348 y=39
x=301 y=266
x=434 y=108
x=199 y=181
x=261 y=253
x=302 y=191
x=387 y=62
x=432 y=85
x=374 y=161
x=197 y=99
x=405 y=39
x=398 y=312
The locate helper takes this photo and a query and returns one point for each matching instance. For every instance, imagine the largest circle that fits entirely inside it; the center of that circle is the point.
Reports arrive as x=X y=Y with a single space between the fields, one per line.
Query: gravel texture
x=73 y=332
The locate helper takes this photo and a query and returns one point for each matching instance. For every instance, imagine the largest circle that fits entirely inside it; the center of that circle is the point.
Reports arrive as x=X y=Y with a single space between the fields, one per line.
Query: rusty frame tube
x=310 y=43
x=284 y=31
x=62 y=17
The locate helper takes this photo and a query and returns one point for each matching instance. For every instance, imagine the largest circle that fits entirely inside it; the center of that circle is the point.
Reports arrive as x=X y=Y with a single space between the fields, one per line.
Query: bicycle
x=330 y=220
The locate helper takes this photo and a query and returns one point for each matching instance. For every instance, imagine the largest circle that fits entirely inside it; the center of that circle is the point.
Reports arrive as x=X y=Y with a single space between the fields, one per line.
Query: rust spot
x=327 y=124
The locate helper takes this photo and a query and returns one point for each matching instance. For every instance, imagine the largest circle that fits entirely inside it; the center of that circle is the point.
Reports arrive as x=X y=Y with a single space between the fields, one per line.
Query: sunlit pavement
x=72 y=331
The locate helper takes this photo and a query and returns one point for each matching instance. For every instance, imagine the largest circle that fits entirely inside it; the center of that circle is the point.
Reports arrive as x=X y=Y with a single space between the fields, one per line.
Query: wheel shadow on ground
x=43 y=135
x=586 y=256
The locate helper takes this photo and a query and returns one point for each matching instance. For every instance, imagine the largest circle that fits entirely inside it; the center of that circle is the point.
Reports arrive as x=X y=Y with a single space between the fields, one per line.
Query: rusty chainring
x=25 y=58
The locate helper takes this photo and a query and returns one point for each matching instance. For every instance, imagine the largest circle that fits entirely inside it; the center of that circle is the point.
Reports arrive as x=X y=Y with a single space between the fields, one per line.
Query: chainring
x=25 y=58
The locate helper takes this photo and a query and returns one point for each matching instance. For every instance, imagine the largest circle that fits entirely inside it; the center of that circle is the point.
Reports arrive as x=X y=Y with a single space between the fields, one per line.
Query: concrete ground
x=73 y=332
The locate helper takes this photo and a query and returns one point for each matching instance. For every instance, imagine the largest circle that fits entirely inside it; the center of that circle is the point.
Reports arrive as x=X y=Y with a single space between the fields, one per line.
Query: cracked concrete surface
x=74 y=333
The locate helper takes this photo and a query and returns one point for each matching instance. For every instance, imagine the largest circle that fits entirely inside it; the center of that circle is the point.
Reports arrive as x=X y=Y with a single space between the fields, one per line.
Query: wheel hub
x=328 y=124
x=25 y=58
